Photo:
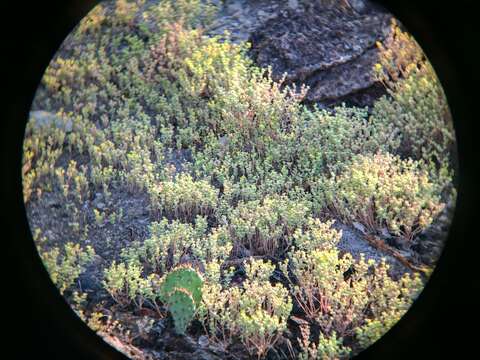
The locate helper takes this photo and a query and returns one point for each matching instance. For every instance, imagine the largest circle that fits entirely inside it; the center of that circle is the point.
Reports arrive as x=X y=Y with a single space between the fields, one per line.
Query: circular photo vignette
x=197 y=179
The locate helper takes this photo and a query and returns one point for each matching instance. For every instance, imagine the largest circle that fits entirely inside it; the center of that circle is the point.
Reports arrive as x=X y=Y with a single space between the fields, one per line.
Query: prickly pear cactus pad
x=240 y=179
x=182 y=307
x=185 y=278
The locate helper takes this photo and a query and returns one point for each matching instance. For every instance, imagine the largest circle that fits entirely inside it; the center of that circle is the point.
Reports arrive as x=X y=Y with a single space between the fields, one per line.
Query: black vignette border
x=40 y=324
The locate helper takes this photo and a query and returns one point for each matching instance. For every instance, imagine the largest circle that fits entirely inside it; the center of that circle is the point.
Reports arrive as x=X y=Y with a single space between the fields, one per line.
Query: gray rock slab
x=328 y=45
x=352 y=241
x=42 y=119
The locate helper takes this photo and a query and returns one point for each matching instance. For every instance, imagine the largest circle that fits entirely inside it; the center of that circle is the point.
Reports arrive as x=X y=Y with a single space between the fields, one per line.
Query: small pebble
x=203 y=341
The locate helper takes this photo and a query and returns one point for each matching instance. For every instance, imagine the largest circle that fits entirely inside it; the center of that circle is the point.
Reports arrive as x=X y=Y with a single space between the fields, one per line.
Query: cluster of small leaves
x=327 y=142
x=265 y=227
x=126 y=284
x=348 y=298
x=64 y=267
x=316 y=235
x=415 y=110
x=43 y=146
x=328 y=347
x=184 y=198
x=383 y=190
x=172 y=243
x=256 y=314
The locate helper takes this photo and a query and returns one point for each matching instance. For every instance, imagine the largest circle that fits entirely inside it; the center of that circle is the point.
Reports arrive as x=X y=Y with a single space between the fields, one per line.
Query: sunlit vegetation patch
x=240 y=183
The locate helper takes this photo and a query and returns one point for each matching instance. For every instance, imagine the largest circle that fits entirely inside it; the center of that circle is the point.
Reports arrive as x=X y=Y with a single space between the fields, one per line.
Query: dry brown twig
x=380 y=245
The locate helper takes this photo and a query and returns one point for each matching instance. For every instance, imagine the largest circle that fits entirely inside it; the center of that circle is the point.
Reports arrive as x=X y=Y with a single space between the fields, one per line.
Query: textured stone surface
x=353 y=242
x=329 y=46
x=303 y=42
x=241 y=18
